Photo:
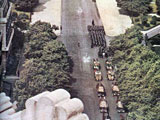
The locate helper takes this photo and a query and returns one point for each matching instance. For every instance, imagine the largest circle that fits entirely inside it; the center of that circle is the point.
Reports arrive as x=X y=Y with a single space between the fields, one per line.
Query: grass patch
x=153 y=6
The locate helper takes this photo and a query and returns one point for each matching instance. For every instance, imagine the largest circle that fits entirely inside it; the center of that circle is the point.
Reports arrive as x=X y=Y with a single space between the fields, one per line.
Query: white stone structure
x=56 y=105
x=151 y=32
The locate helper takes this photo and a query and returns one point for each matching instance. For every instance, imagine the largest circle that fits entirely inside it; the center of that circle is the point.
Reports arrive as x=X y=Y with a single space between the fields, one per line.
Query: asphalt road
x=76 y=15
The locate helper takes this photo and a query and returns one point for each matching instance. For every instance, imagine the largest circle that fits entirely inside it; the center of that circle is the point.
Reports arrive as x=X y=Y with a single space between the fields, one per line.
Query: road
x=76 y=15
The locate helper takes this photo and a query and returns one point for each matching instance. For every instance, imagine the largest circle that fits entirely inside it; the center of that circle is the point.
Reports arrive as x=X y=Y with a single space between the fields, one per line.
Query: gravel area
x=114 y=22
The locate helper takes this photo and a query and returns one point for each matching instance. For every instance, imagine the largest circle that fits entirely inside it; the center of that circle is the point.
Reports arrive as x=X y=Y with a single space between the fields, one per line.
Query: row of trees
x=47 y=65
x=26 y=5
x=135 y=6
x=138 y=75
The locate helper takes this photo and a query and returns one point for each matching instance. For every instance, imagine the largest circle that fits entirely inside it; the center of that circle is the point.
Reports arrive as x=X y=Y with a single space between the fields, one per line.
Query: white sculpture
x=56 y=105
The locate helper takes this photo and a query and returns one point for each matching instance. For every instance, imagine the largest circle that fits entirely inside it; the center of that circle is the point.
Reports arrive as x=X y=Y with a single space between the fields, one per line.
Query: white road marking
x=86 y=59
x=79 y=11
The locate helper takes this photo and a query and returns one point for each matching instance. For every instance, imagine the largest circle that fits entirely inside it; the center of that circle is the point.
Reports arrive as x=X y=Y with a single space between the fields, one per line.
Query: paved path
x=114 y=22
x=76 y=15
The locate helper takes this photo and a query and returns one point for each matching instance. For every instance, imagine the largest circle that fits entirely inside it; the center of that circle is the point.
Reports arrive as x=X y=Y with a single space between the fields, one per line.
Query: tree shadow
x=71 y=64
x=40 y=7
x=128 y=13
x=74 y=93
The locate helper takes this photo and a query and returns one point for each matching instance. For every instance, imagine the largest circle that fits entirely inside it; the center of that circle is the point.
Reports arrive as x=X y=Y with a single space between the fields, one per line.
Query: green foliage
x=155 y=41
x=23 y=16
x=21 y=21
x=144 y=20
x=121 y=44
x=158 y=11
x=47 y=65
x=147 y=25
x=154 y=20
x=137 y=20
x=26 y=5
x=135 y=6
x=39 y=35
x=158 y=6
x=40 y=27
x=138 y=75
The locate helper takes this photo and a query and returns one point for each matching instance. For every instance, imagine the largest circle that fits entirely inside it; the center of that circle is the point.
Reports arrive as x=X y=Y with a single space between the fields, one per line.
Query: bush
x=154 y=20
x=158 y=12
x=140 y=25
x=144 y=20
x=22 y=25
x=147 y=25
x=21 y=21
x=23 y=16
x=137 y=20
x=158 y=19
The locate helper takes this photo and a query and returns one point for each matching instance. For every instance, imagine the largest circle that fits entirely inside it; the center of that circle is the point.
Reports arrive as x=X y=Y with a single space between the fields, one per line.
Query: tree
x=26 y=5
x=21 y=21
x=47 y=65
x=38 y=36
x=40 y=27
x=55 y=52
x=137 y=75
x=135 y=6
